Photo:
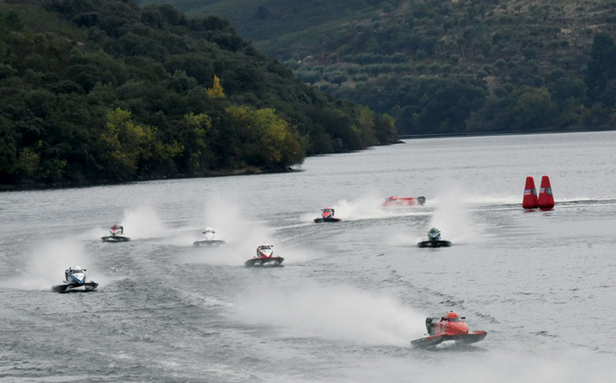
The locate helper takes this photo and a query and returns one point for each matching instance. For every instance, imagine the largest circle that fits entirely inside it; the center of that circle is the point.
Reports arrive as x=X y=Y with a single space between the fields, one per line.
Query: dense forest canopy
x=443 y=66
x=105 y=90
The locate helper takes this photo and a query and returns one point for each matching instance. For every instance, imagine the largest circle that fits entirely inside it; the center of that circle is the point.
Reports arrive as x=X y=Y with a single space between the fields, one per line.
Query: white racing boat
x=434 y=239
x=116 y=234
x=75 y=280
x=265 y=257
x=209 y=238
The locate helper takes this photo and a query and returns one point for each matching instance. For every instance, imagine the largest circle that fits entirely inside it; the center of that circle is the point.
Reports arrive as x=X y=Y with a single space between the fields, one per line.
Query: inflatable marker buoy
x=546 y=199
x=530 y=194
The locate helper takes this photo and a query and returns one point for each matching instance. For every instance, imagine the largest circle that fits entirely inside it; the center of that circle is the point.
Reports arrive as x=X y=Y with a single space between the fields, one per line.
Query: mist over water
x=351 y=295
x=337 y=313
x=364 y=207
x=143 y=222
x=44 y=265
x=452 y=217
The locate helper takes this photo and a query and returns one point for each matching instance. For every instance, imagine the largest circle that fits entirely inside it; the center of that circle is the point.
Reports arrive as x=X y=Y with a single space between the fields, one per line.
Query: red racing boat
x=449 y=327
x=265 y=257
x=395 y=201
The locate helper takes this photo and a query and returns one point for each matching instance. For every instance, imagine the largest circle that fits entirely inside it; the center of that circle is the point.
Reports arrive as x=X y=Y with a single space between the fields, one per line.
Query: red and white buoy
x=530 y=194
x=546 y=198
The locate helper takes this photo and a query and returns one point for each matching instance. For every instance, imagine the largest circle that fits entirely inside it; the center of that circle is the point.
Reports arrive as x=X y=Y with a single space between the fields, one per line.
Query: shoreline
x=402 y=139
x=498 y=133
x=34 y=186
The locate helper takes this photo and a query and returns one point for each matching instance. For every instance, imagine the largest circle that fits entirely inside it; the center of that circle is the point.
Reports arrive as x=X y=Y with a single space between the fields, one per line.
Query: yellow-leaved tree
x=216 y=90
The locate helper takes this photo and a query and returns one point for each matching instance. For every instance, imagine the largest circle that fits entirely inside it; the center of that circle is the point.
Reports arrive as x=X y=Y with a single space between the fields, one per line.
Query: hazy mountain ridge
x=395 y=55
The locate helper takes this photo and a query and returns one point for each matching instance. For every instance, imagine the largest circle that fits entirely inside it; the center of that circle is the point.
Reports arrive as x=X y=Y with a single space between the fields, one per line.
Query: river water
x=351 y=295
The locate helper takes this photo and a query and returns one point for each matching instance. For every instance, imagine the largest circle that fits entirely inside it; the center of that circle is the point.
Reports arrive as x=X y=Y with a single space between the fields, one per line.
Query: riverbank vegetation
x=107 y=91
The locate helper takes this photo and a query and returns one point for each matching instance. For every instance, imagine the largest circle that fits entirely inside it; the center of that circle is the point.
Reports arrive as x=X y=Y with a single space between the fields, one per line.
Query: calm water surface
x=352 y=294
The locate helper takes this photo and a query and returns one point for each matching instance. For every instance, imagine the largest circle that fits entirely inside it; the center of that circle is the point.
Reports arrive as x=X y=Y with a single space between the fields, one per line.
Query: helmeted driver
x=115 y=228
x=451 y=316
x=434 y=234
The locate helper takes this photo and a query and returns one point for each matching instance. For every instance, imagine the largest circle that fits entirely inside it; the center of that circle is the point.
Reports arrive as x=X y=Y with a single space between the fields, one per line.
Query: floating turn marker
x=546 y=199
x=530 y=194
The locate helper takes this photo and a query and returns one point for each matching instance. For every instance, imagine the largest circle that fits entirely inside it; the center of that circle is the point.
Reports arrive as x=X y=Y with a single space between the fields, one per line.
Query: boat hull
x=115 y=238
x=74 y=287
x=321 y=220
x=265 y=262
x=395 y=201
x=439 y=243
x=209 y=242
x=434 y=340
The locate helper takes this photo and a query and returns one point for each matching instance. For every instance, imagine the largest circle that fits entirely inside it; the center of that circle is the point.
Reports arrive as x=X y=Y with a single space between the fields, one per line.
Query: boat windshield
x=266 y=248
x=454 y=319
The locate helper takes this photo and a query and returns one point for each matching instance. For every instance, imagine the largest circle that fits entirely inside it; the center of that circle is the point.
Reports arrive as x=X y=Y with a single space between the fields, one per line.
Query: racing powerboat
x=116 y=234
x=327 y=215
x=395 y=201
x=450 y=327
x=265 y=257
x=209 y=238
x=434 y=239
x=75 y=280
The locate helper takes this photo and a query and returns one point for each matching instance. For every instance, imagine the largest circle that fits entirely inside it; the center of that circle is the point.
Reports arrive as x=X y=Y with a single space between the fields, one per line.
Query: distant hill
x=442 y=66
x=270 y=19
x=104 y=91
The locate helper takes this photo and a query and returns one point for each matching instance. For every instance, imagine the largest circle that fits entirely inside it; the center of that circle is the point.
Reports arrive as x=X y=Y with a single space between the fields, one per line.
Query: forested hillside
x=104 y=91
x=443 y=66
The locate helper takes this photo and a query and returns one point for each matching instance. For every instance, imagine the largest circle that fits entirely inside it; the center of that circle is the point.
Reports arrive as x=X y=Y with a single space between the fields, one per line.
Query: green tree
x=602 y=65
x=385 y=128
x=531 y=109
x=199 y=126
x=126 y=143
x=565 y=89
x=268 y=139
x=27 y=164
x=366 y=125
